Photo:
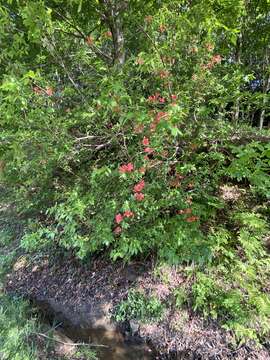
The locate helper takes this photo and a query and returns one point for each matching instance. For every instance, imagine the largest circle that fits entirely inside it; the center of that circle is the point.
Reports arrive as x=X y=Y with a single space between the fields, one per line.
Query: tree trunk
x=266 y=89
x=238 y=61
x=112 y=16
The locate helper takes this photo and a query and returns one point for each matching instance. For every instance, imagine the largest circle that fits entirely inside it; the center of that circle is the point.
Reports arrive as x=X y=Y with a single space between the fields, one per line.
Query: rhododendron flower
x=49 y=91
x=128 y=214
x=139 y=187
x=37 y=90
x=216 y=59
x=126 y=168
x=118 y=218
x=174 y=97
x=192 y=219
x=117 y=230
x=148 y=150
x=152 y=98
x=139 y=196
x=162 y=100
x=145 y=141
x=108 y=33
x=160 y=115
x=90 y=40
x=185 y=211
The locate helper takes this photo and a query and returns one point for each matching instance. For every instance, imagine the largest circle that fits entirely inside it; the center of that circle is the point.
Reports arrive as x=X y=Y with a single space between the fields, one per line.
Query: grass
x=19 y=324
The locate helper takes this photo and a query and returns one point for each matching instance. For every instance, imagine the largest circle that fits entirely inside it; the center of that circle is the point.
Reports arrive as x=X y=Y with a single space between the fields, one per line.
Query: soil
x=181 y=334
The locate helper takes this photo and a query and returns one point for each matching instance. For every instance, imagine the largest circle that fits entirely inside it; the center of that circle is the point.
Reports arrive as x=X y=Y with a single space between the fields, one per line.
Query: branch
x=96 y=50
x=71 y=343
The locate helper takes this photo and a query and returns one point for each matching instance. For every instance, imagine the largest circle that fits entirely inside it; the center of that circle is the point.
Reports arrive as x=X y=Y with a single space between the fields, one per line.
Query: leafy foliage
x=137 y=306
x=120 y=123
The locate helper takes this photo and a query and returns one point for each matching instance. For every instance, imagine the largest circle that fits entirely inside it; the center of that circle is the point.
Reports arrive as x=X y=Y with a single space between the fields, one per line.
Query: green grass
x=19 y=325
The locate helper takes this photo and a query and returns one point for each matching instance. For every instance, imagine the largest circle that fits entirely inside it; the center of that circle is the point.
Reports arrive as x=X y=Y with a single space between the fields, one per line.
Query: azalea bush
x=121 y=121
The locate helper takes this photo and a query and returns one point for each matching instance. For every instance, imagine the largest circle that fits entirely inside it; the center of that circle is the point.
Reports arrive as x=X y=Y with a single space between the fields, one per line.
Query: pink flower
x=162 y=100
x=139 y=196
x=108 y=33
x=148 y=150
x=174 y=97
x=128 y=214
x=117 y=230
x=216 y=59
x=152 y=98
x=126 y=168
x=139 y=187
x=49 y=91
x=145 y=141
x=118 y=218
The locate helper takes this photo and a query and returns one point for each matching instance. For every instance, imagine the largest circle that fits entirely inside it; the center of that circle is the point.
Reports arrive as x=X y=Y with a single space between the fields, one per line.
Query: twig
x=70 y=344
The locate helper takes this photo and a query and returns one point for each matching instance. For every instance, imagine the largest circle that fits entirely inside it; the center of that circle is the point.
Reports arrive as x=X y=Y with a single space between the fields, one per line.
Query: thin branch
x=71 y=343
x=97 y=51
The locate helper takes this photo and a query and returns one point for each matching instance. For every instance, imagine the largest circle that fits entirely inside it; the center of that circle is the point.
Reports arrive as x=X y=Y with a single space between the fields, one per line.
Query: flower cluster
x=126 y=168
x=156 y=98
x=216 y=59
x=119 y=218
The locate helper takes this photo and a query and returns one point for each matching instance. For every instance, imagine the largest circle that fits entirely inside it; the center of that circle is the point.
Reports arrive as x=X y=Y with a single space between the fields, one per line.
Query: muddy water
x=116 y=347
x=91 y=327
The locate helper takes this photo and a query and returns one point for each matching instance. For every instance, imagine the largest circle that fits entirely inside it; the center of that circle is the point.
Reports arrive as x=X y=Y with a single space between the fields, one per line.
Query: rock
x=134 y=327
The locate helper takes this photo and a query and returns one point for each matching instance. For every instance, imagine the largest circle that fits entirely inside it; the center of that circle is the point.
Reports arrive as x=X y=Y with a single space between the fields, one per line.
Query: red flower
x=139 y=196
x=216 y=59
x=108 y=33
x=148 y=150
x=174 y=97
x=184 y=211
x=49 y=91
x=37 y=90
x=145 y=141
x=118 y=218
x=162 y=100
x=128 y=214
x=117 y=230
x=139 y=187
x=152 y=98
x=192 y=219
x=126 y=168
